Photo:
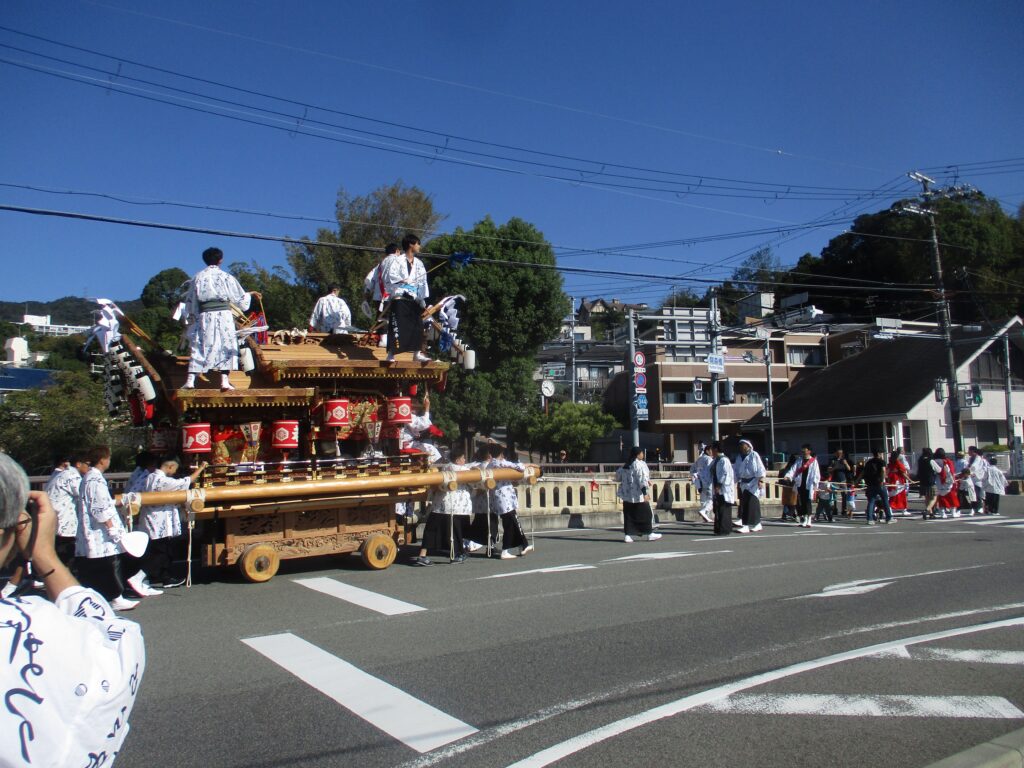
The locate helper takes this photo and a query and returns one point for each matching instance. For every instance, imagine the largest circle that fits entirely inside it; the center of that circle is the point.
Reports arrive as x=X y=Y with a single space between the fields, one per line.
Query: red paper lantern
x=285 y=435
x=196 y=438
x=399 y=410
x=336 y=412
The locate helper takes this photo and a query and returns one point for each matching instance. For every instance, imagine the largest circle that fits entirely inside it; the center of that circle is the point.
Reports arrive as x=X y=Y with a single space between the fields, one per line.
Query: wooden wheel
x=259 y=562
x=379 y=552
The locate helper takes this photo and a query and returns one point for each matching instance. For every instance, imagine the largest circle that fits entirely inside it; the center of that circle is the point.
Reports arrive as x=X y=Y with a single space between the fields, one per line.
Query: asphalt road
x=843 y=645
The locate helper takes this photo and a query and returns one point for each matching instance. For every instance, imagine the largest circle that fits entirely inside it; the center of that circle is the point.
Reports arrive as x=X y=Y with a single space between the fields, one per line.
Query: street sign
x=716 y=363
x=639 y=360
x=640 y=380
x=642 y=415
x=640 y=390
x=641 y=402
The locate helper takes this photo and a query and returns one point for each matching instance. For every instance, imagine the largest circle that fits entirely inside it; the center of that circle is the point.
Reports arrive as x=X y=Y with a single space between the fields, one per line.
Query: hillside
x=70 y=310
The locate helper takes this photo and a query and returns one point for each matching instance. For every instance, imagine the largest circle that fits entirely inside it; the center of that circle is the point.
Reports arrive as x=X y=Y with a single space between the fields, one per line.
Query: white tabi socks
x=225 y=381
x=190 y=382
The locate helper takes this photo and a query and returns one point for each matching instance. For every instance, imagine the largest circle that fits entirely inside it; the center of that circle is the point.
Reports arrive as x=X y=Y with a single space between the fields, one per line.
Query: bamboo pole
x=239 y=494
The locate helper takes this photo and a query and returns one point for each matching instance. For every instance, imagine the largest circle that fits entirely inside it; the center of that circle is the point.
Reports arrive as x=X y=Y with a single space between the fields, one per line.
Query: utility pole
x=572 y=342
x=634 y=422
x=713 y=332
x=944 y=317
x=771 y=397
x=1008 y=386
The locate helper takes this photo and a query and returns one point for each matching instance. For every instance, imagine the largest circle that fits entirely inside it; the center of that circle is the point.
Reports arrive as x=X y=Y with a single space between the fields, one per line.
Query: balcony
x=700 y=413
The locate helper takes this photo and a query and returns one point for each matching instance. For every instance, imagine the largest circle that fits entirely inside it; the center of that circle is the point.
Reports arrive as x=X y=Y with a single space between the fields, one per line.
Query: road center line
x=389 y=606
x=611 y=730
x=413 y=722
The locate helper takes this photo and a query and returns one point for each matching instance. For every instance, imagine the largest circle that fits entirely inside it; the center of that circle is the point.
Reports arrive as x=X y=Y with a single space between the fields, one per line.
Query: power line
x=695 y=183
x=668 y=279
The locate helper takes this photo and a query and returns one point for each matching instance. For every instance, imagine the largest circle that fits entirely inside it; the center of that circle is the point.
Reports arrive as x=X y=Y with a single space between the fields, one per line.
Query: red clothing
x=896 y=484
x=950 y=500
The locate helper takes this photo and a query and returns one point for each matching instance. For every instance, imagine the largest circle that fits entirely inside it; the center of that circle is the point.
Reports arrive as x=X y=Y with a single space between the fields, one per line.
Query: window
x=908 y=445
x=805 y=355
x=861 y=439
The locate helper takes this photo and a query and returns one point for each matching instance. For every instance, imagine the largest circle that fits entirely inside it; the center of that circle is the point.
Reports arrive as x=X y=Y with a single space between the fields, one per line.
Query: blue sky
x=833 y=101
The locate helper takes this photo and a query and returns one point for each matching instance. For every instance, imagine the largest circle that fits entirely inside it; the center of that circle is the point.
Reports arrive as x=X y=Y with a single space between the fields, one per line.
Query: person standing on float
x=213 y=342
x=405 y=283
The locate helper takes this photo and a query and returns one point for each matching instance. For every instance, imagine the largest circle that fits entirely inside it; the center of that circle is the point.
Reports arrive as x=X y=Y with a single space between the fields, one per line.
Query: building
x=595 y=366
x=597 y=309
x=19 y=355
x=41 y=324
x=884 y=395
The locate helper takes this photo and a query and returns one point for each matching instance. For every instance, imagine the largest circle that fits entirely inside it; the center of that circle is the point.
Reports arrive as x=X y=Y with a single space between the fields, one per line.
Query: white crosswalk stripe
x=413 y=722
x=389 y=606
x=970 y=656
x=986 y=707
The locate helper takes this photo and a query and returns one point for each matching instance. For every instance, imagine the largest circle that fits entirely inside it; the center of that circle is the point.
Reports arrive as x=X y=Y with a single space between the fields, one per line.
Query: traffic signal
x=698 y=391
x=729 y=391
x=668 y=328
x=976 y=394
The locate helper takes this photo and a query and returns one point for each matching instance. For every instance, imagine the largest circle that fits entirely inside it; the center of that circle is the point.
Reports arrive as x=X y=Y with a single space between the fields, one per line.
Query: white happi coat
x=410 y=437
x=213 y=341
x=330 y=315
x=723 y=476
x=70 y=679
x=995 y=480
x=162 y=521
x=373 y=282
x=95 y=508
x=978 y=469
x=700 y=473
x=62 y=488
x=813 y=476
x=749 y=470
x=504 y=498
x=634 y=481
x=401 y=280
x=457 y=502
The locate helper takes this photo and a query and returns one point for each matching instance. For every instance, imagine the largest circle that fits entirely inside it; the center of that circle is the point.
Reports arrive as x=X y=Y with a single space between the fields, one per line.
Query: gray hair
x=13 y=490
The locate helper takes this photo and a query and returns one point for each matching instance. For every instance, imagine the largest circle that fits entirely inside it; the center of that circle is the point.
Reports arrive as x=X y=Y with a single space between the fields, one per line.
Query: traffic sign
x=639 y=359
x=640 y=390
x=716 y=363
x=640 y=380
x=642 y=415
x=641 y=402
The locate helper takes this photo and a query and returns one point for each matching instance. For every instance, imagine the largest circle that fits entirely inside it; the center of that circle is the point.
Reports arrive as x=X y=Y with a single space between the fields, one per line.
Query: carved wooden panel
x=311 y=522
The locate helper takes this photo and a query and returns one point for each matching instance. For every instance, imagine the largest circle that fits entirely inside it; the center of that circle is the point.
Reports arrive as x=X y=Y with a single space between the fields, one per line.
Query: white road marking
x=984 y=707
x=862 y=586
x=413 y=722
x=553 y=569
x=612 y=730
x=989 y=521
x=966 y=655
x=662 y=556
x=842 y=591
x=389 y=606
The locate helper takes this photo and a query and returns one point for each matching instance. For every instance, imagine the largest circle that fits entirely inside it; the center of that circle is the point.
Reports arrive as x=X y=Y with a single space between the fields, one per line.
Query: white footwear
x=742 y=529
x=419 y=357
x=140 y=587
x=628 y=539
x=526 y=550
x=705 y=515
x=956 y=513
x=943 y=515
x=8 y=589
x=390 y=358
x=506 y=555
x=653 y=536
x=472 y=546
x=757 y=528
x=121 y=603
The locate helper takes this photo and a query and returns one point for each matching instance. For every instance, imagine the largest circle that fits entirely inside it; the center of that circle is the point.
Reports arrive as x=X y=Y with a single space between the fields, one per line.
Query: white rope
x=131 y=502
x=190 y=495
x=448 y=477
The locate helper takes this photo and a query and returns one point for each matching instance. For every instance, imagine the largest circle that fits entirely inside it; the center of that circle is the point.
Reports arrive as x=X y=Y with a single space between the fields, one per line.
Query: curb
x=1005 y=752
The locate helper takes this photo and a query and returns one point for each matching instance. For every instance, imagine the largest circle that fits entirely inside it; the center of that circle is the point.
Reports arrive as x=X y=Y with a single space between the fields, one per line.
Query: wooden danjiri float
x=306 y=453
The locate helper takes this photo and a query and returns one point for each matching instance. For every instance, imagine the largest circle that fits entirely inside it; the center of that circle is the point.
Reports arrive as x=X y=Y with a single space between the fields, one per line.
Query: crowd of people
x=91 y=530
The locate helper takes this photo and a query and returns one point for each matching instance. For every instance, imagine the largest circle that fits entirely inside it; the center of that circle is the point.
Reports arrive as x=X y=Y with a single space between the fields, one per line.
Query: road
x=841 y=645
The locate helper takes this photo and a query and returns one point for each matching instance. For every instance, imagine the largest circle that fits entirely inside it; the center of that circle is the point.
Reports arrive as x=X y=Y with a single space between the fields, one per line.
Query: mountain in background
x=70 y=310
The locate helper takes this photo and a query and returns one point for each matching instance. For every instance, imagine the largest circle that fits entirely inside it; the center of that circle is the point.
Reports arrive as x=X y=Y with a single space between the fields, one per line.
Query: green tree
x=383 y=216
x=982 y=251
x=64 y=352
x=36 y=423
x=512 y=308
x=159 y=296
x=287 y=304
x=573 y=427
